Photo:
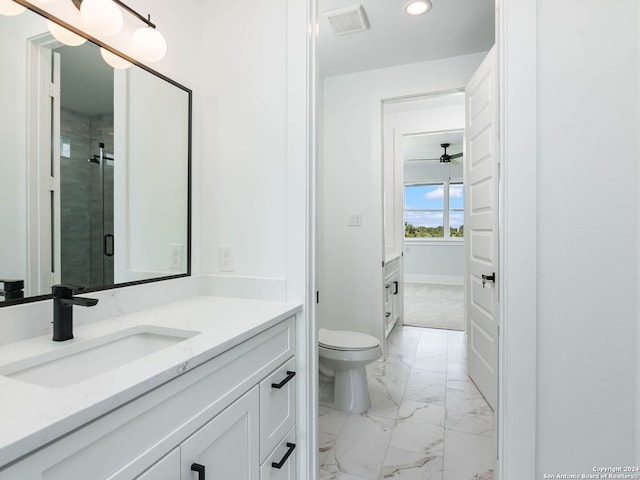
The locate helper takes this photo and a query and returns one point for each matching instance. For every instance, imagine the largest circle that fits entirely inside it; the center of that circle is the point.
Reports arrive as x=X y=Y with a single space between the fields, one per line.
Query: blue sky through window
x=431 y=197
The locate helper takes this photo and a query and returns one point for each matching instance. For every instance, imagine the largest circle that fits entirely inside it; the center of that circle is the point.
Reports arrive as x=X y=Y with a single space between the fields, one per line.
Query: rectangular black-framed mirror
x=96 y=166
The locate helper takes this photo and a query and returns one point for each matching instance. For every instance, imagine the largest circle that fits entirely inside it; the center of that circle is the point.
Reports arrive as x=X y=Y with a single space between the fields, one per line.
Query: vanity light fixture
x=104 y=17
x=417 y=7
x=10 y=8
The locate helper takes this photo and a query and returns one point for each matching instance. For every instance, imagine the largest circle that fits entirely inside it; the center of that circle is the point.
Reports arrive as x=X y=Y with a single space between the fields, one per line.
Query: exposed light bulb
x=114 y=60
x=149 y=44
x=10 y=8
x=64 y=35
x=101 y=17
x=419 y=7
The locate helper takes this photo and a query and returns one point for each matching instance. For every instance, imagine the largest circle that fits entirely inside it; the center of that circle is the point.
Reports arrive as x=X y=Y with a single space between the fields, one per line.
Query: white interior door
x=481 y=227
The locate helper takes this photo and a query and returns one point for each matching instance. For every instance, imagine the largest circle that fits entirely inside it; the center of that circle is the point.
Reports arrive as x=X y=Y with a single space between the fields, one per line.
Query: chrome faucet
x=63 y=302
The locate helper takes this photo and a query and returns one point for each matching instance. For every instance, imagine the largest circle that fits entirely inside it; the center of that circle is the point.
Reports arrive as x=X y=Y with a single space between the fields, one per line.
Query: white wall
x=244 y=106
x=350 y=171
x=14 y=32
x=587 y=100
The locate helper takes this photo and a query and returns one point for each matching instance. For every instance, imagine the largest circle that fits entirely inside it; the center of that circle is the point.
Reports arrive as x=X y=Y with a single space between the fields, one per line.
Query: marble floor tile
x=431 y=360
x=454 y=336
x=408 y=465
x=402 y=345
x=449 y=475
x=468 y=415
x=408 y=331
x=361 y=446
x=411 y=411
x=386 y=395
x=427 y=420
x=395 y=366
x=325 y=474
x=331 y=421
x=421 y=438
x=426 y=387
x=467 y=454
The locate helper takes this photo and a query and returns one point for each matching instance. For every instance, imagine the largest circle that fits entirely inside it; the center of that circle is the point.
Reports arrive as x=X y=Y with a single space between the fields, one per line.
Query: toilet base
x=350 y=391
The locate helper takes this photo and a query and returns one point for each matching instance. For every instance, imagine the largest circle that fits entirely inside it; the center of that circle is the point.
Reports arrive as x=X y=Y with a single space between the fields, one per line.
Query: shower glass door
x=86 y=170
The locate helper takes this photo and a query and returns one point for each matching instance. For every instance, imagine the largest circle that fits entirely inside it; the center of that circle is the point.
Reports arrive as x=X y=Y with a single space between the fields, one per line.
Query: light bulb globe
x=149 y=44
x=114 y=60
x=10 y=8
x=65 y=36
x=101 y=17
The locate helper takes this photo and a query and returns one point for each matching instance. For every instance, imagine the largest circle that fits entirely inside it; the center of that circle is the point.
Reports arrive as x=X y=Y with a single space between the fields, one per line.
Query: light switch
x=355 y=219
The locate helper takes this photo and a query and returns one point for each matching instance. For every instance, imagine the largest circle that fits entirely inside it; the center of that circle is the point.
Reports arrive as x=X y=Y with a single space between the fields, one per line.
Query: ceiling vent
x=348 y=19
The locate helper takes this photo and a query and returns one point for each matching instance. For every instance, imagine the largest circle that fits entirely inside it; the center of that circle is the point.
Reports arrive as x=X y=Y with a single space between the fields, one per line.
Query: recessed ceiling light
x=417 y=7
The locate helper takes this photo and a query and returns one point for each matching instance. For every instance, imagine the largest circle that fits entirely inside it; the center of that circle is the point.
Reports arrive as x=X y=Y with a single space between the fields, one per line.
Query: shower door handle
x=108 y=245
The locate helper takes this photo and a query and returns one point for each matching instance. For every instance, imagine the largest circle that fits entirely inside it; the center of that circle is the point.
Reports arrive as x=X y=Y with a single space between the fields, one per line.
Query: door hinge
x=317 y=296
x=53 y=184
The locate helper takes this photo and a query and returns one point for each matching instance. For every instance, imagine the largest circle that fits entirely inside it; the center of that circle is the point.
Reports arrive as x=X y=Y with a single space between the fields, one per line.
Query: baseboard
x=434 y=279
x=257 y=288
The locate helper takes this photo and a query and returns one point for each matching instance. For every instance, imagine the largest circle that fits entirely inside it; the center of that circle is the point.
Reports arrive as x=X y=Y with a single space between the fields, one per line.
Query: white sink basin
x=85 y=359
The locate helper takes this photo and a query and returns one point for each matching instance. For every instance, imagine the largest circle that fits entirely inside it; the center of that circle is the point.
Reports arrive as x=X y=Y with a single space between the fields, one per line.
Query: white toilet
x=344 y=356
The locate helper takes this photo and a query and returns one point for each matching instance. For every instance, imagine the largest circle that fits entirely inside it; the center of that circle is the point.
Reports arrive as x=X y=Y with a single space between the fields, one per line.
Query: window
x=434 y=210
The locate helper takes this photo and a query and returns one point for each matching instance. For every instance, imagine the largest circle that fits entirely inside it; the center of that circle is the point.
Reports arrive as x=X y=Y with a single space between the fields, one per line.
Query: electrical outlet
x=355 y=220
x=176 y=253
x=226 y=258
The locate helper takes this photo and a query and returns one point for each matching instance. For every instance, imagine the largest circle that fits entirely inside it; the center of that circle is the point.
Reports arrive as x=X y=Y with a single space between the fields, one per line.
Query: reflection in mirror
x=95 y=166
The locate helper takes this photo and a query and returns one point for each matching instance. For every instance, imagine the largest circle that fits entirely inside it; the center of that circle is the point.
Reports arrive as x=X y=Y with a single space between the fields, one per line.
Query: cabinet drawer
x=288 y=469
x=277 y=406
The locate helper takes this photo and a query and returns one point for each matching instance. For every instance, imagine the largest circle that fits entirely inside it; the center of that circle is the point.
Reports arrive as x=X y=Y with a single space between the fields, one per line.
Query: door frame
x=42 y=261
x=516 y=38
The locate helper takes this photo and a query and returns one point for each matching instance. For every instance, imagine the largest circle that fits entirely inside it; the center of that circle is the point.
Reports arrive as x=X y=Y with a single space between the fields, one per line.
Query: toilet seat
x=344 y=340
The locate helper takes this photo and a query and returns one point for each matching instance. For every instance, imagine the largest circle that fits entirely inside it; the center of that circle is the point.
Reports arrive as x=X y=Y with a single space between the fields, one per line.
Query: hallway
x=427 y=420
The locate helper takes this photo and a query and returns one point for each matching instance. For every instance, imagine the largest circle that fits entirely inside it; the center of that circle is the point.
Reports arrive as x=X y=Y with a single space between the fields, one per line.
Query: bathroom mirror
x=95 y=163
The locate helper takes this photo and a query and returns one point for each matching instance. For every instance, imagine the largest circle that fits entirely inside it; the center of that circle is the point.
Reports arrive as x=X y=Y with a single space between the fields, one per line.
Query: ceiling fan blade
x=456 y=155
x=422 y=159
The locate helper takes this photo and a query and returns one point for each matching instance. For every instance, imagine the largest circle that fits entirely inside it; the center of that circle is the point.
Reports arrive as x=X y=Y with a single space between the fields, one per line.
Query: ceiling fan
x=446 y=158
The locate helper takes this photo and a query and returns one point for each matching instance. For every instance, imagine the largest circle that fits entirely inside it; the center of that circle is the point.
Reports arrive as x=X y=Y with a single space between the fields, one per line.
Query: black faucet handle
x=66 y=291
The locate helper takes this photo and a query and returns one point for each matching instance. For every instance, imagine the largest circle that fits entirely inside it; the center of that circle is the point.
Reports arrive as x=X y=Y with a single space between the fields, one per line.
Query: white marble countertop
x=33 y=415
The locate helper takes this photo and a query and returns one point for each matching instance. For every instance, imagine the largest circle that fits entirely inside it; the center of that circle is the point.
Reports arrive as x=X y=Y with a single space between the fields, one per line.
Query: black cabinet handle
x=196 y=467
x=281 y=463
x=289 y=376
x=395 y=284
x=108 y=245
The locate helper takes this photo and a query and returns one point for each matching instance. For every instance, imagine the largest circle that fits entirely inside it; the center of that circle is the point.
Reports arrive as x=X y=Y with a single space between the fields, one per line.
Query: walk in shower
x=86 y=172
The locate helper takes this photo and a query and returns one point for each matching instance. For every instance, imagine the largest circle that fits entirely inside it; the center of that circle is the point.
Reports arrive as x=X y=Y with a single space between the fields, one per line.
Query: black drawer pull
x=281 y=463
x=289 y=376
x=196 y=467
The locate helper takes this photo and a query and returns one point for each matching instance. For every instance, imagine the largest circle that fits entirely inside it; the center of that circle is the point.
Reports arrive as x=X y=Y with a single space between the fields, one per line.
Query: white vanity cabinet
x=224 y=415
x=392 y=296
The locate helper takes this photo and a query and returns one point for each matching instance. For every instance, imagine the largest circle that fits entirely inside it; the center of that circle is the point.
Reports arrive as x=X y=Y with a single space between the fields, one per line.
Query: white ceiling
x=450 y=28
x=426 y=146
